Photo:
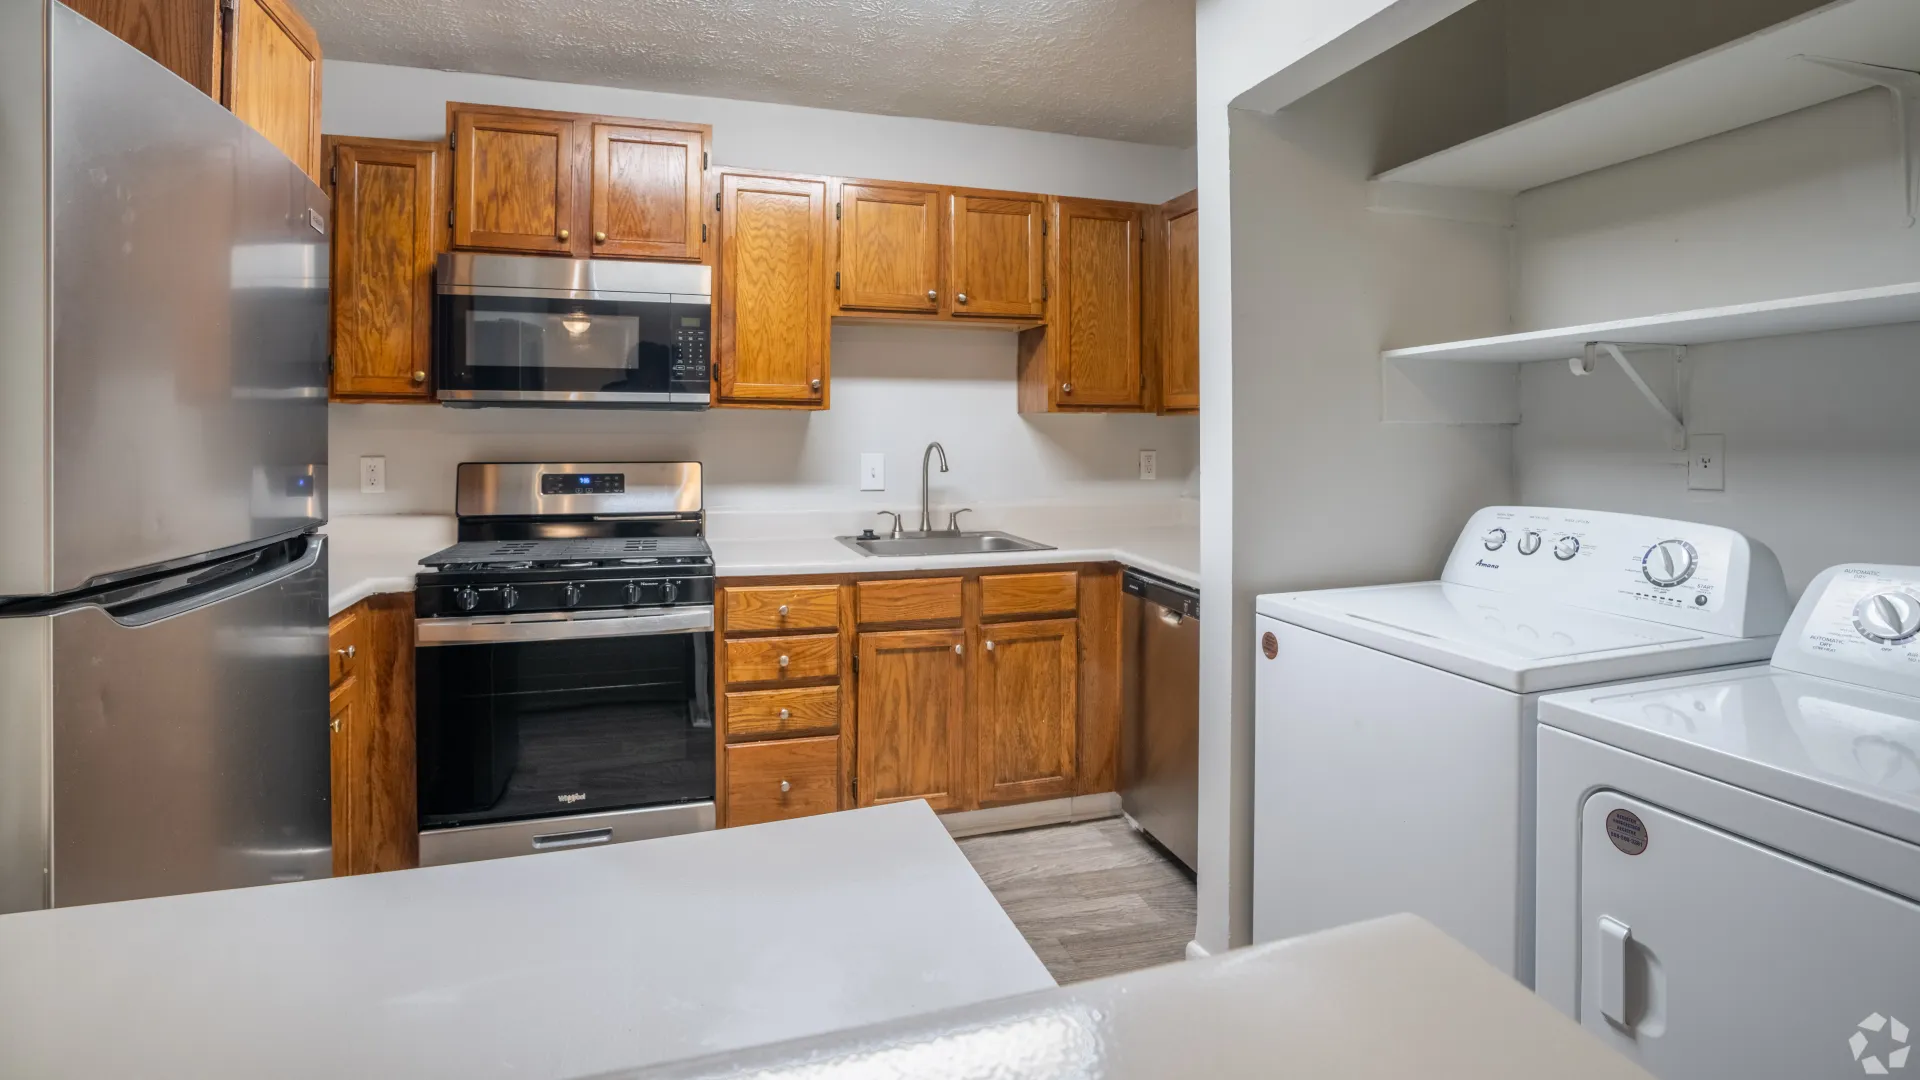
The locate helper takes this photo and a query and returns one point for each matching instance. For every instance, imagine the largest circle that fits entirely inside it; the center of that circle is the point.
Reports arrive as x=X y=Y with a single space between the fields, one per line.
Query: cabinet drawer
x=788 y=778
x=912 y=600
x=345 y=644
x=1029 y=594
x=786 y=607
x=783 y=659
x=764 y=714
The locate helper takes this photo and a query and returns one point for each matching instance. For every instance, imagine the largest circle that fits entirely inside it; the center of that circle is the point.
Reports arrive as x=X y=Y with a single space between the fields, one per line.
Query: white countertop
x=381 y=553
x=1382 y=1000
x=551 y=965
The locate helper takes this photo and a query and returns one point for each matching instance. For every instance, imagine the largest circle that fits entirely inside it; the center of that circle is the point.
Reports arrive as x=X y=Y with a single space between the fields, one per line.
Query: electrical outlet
x=1706 y=463
x=373 y=475
x=873 y=472
x=1149 y=464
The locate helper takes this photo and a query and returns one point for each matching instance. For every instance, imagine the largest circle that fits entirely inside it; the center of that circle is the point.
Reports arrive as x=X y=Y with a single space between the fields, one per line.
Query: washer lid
x=1846 y=751
x=1506 y=640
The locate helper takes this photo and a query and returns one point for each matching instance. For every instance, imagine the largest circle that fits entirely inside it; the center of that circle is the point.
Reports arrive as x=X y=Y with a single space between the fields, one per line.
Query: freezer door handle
x=1615 y=937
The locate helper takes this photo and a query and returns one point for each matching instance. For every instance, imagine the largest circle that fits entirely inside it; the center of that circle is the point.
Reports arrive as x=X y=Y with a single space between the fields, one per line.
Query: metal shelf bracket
x=1588 y=360
x=1905 y=87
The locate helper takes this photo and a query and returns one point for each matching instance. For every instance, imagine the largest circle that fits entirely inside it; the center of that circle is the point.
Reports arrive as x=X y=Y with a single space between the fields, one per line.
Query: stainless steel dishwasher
x=1160 y=731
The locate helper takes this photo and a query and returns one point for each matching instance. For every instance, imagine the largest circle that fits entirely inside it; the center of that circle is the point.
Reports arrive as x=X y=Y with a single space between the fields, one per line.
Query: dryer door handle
x=1615 y=937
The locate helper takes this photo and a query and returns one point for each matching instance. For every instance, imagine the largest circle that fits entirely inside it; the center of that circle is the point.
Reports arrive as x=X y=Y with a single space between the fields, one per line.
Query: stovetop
x=579 y=553
x=509 y=577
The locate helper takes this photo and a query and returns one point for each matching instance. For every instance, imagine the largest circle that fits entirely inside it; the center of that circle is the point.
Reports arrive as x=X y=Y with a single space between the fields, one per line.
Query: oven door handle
x=479 y=630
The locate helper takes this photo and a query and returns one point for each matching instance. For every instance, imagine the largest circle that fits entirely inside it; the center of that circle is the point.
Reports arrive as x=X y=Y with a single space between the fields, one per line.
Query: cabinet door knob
x=989 y=646
x=335 y=725
x=815 y=384
x=962 y=298
x=784 y=786
x=783 y=611
x=419 y=376
x=563 y=234
x=599 y=237
x=933 y=294
x=1066 y=388
x=959 y=650
x=346 y=652
x=786 y=714
x=783 y=661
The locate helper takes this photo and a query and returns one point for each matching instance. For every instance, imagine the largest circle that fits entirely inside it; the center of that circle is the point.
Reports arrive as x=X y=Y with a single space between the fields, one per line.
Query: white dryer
x=1729 y=863
x=1394 y=731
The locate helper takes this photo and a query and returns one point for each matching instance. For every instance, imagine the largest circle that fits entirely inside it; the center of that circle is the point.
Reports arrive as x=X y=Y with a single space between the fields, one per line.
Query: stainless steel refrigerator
x=163 y=443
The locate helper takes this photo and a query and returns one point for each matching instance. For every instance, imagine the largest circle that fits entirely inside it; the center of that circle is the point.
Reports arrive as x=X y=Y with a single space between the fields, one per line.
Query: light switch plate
x=1706 y=463
x=1149 y=464
x=873 y=472
x=373 y=475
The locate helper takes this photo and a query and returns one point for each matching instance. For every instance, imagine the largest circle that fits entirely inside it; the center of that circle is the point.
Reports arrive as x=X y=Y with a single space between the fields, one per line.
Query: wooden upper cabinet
x=997 y=248
x=1026 y=710
x=273 y=77
x=186 y=36
x=888 y=247
x=514 y=180
x=647 y=187
x=1094 y=325
x=911 y=714
x=771 y=305
x=386 y=219
x=1179 y=305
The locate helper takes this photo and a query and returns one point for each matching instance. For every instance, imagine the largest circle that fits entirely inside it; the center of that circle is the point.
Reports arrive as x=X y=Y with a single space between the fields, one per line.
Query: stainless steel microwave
x=538 y=330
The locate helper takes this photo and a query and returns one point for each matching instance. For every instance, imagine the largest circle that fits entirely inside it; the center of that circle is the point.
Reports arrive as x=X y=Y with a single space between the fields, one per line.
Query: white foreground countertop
x=380 y=553
x=552 y=965
x=1383 y=1000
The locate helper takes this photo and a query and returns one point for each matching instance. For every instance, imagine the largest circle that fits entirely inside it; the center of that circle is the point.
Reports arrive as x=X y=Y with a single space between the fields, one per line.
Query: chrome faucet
x=926 y=512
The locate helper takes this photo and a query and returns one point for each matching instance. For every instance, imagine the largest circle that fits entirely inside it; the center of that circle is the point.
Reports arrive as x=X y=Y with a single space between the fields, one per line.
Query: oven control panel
x=583 y=483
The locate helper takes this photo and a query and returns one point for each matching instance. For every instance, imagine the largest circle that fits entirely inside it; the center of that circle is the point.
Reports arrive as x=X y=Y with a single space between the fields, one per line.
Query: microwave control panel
x=690 y=349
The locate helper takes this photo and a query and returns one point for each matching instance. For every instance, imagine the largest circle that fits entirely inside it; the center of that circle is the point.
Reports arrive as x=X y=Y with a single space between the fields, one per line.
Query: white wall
x=894 y=387
x=1302 y=485
x=1822 y=450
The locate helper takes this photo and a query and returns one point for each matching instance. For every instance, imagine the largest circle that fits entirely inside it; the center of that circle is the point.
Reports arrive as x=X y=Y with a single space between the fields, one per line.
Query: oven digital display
x=583 y=483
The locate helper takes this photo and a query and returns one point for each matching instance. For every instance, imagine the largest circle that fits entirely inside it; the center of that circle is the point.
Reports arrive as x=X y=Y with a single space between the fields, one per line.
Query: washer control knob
x=1529 y=541
x=467 y=598
x=1566 y=548
x=573 y=591
x=1669 y=563
x=509 y=596
x=1888 y=618
x=1495 y=539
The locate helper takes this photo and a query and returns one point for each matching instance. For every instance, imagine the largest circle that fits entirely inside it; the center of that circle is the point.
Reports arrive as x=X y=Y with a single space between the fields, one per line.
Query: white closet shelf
x=1879 y=306
x=1742 y=82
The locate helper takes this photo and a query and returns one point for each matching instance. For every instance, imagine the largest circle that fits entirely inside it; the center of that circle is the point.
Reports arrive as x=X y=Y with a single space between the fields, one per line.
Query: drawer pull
x=784 y=662
x=784 y=786
x=958 y=650
x=579 y=838
x=786 y=714
x=989 y=646
x=783 y=611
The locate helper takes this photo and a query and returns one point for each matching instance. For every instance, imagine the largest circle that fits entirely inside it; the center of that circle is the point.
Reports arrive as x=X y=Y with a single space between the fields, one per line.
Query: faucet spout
x=926 y=507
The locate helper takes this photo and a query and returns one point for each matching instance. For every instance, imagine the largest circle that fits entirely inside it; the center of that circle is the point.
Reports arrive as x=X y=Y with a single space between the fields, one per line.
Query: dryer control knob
x=1495 y=539
x=1889 y=618
x=1529 y=542
x=1566 y=548
x=1669 y=563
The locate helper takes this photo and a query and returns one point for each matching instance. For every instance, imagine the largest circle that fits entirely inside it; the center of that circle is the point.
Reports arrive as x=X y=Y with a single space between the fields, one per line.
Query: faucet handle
x=897 y=530
x=953 y=519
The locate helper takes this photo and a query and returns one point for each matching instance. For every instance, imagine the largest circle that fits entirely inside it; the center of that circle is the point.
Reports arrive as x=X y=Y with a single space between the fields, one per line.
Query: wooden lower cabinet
x=784 y=778
x=911 y=701
x=1026 y=711
x=375 y=811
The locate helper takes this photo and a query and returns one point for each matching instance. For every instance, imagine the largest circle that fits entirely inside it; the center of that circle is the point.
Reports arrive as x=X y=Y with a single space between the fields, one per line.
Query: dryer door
x=1705 y=955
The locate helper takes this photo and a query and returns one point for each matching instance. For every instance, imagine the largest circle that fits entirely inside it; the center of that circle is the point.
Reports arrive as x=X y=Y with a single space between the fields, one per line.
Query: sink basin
x=942 y=543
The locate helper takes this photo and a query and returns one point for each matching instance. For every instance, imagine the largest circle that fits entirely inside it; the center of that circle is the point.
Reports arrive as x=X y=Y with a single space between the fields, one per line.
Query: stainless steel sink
x=941 y=543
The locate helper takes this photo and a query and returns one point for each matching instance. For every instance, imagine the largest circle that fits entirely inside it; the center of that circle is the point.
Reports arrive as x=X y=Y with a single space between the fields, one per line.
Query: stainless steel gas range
x=564 y=661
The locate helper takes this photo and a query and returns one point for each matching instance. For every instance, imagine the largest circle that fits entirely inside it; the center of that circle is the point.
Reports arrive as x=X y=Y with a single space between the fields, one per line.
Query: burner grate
x=580 y=551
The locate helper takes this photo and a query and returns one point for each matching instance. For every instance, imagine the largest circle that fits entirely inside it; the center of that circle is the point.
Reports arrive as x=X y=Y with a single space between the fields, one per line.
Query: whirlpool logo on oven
x=572 y=797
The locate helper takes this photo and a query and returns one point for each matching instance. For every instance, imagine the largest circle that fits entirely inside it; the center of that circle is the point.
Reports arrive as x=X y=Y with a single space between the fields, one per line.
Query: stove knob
x=1566 y=548
x=1669 y=563
x=1529 y=542
x=1495 y=539
x=573 y=591
x=509 y=596
x=670 y=591
x=1888 y=618
x=633 y=593
x=467 y=598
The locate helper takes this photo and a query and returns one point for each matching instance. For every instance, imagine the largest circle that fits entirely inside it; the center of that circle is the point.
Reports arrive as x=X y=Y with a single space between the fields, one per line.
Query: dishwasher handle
x=1178 y=599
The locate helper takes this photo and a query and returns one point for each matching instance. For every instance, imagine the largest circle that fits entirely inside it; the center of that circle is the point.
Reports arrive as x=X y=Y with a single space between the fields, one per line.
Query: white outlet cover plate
x=373 y=475
x=1706 y=462
x=873 y=472
x=1149 y=464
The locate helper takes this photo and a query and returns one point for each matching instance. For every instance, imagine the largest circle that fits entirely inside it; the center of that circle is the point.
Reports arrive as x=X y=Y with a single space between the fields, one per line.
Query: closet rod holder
x=1905 y=87
x=1585 y=363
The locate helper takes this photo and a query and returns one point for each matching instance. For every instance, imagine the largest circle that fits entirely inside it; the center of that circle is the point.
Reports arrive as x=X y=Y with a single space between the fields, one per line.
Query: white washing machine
x=1729 y=863
x=1394 y=731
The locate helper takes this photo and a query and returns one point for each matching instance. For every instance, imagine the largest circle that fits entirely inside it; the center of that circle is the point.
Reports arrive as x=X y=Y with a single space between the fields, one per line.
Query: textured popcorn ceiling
x=1116 y=69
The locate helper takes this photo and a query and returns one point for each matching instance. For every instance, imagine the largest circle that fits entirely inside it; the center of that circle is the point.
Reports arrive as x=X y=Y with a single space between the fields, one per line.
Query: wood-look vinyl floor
x=1093 y=899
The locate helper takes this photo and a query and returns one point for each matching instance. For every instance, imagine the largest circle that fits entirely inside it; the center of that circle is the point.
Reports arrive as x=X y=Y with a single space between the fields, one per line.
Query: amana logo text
x=1485 y=563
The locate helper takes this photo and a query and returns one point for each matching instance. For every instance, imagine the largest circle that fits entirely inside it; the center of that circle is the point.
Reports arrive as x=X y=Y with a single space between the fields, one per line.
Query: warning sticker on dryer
x=1627 y=831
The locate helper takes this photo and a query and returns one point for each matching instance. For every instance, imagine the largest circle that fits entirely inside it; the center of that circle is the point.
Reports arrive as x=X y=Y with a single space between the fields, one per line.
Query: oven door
x=548 y=716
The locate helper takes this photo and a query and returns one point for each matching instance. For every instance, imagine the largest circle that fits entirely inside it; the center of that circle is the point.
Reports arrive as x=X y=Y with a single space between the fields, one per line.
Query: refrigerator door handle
x=204 y=586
